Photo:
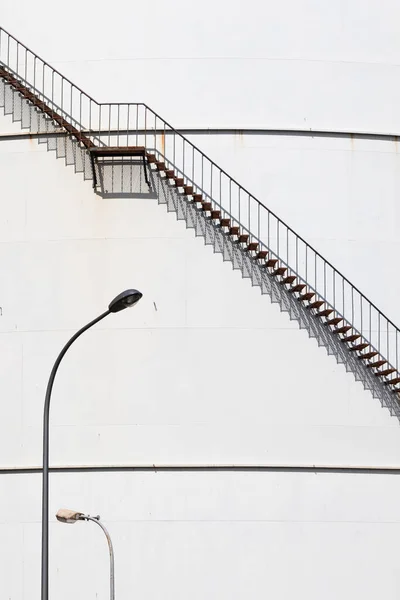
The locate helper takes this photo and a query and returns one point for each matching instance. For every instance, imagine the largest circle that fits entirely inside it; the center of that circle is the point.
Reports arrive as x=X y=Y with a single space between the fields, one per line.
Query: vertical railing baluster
x=343 y=312
x=155 y=132
x=387 y=340
x=137 y=125
x=370 y=322
x=379 y=331
x=352 y=306
x=220 y=189
x=145 y=126
x=277 y=237
x=315 y=270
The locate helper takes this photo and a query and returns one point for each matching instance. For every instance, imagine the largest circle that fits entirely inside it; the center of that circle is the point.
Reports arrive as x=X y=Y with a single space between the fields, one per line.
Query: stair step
x=316 y=304
x=215 y=214
x=325 y=313
x=188 y=189
x=384 y=373
x=197 y=198
x=178 y=181
x=279 y=271
x=151 y=158
x=262 y=254
x=160 y=166
x=234 y=230
x=334 y=321
x=307 y=296
x=271 y=262
x=297 y=288
x=377 y=363
x=393 y=381
x=351 y=338
x=252 y=247
x=170 y=174
x=243 y=237
x=289 y=279
x=368 y=355
x=206 y=206
x=359 y=347
x=344 y=329
x=225 y=222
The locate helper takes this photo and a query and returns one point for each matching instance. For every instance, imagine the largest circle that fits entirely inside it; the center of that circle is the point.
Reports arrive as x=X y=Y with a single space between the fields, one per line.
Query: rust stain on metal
x=239 y=134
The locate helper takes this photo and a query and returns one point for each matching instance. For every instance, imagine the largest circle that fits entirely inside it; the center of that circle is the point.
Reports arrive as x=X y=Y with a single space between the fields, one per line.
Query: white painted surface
x=204 y=369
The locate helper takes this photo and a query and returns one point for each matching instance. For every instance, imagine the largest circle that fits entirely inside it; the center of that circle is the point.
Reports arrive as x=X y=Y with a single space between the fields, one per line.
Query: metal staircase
x=128 y=148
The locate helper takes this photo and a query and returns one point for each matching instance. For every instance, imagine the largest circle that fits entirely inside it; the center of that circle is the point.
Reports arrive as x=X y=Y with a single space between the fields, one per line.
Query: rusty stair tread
x=271 y=262
x=351 y=338
x=307 y=296
x=316 y=304
x=359 y=347
x=188 y=189
x=206 y=206
x=334 y=321
x=243 y=237
x=252 y=247
x=234 y=230
x=384 y=373
x=262 y=254
x=325 y=313
x=343 y=329
x=225 y=222
x=279 y=271
x=215 y=214
x=376 y=364
x=368 y=355
x=179 y=181
x=393 y=381
x=169 y=174
x=289 y=279
x=297 y=288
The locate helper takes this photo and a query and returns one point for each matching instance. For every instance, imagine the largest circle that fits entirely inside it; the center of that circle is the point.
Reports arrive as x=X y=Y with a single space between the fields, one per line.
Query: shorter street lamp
x=71 y=516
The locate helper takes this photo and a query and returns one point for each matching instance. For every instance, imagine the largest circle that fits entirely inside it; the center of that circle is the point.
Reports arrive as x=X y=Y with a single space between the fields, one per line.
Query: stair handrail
x=125 y=124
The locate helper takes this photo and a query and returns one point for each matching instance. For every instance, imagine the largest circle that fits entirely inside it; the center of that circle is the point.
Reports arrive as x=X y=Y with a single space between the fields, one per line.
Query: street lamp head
x=68 y=516
x=124 y=300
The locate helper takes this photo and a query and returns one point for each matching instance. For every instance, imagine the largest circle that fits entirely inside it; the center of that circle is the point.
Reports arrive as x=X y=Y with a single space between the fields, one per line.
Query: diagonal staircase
x=127 y=149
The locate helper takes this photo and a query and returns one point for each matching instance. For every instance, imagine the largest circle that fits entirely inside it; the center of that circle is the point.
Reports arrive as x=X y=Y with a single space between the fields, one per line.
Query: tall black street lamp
x=122 y=301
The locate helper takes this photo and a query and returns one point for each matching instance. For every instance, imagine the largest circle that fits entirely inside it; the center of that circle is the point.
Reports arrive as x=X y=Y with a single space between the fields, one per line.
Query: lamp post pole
x=71 y=516
x=122 y=301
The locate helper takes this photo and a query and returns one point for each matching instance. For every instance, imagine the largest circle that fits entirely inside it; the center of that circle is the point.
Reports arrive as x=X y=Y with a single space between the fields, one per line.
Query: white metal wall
x=204 y=370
